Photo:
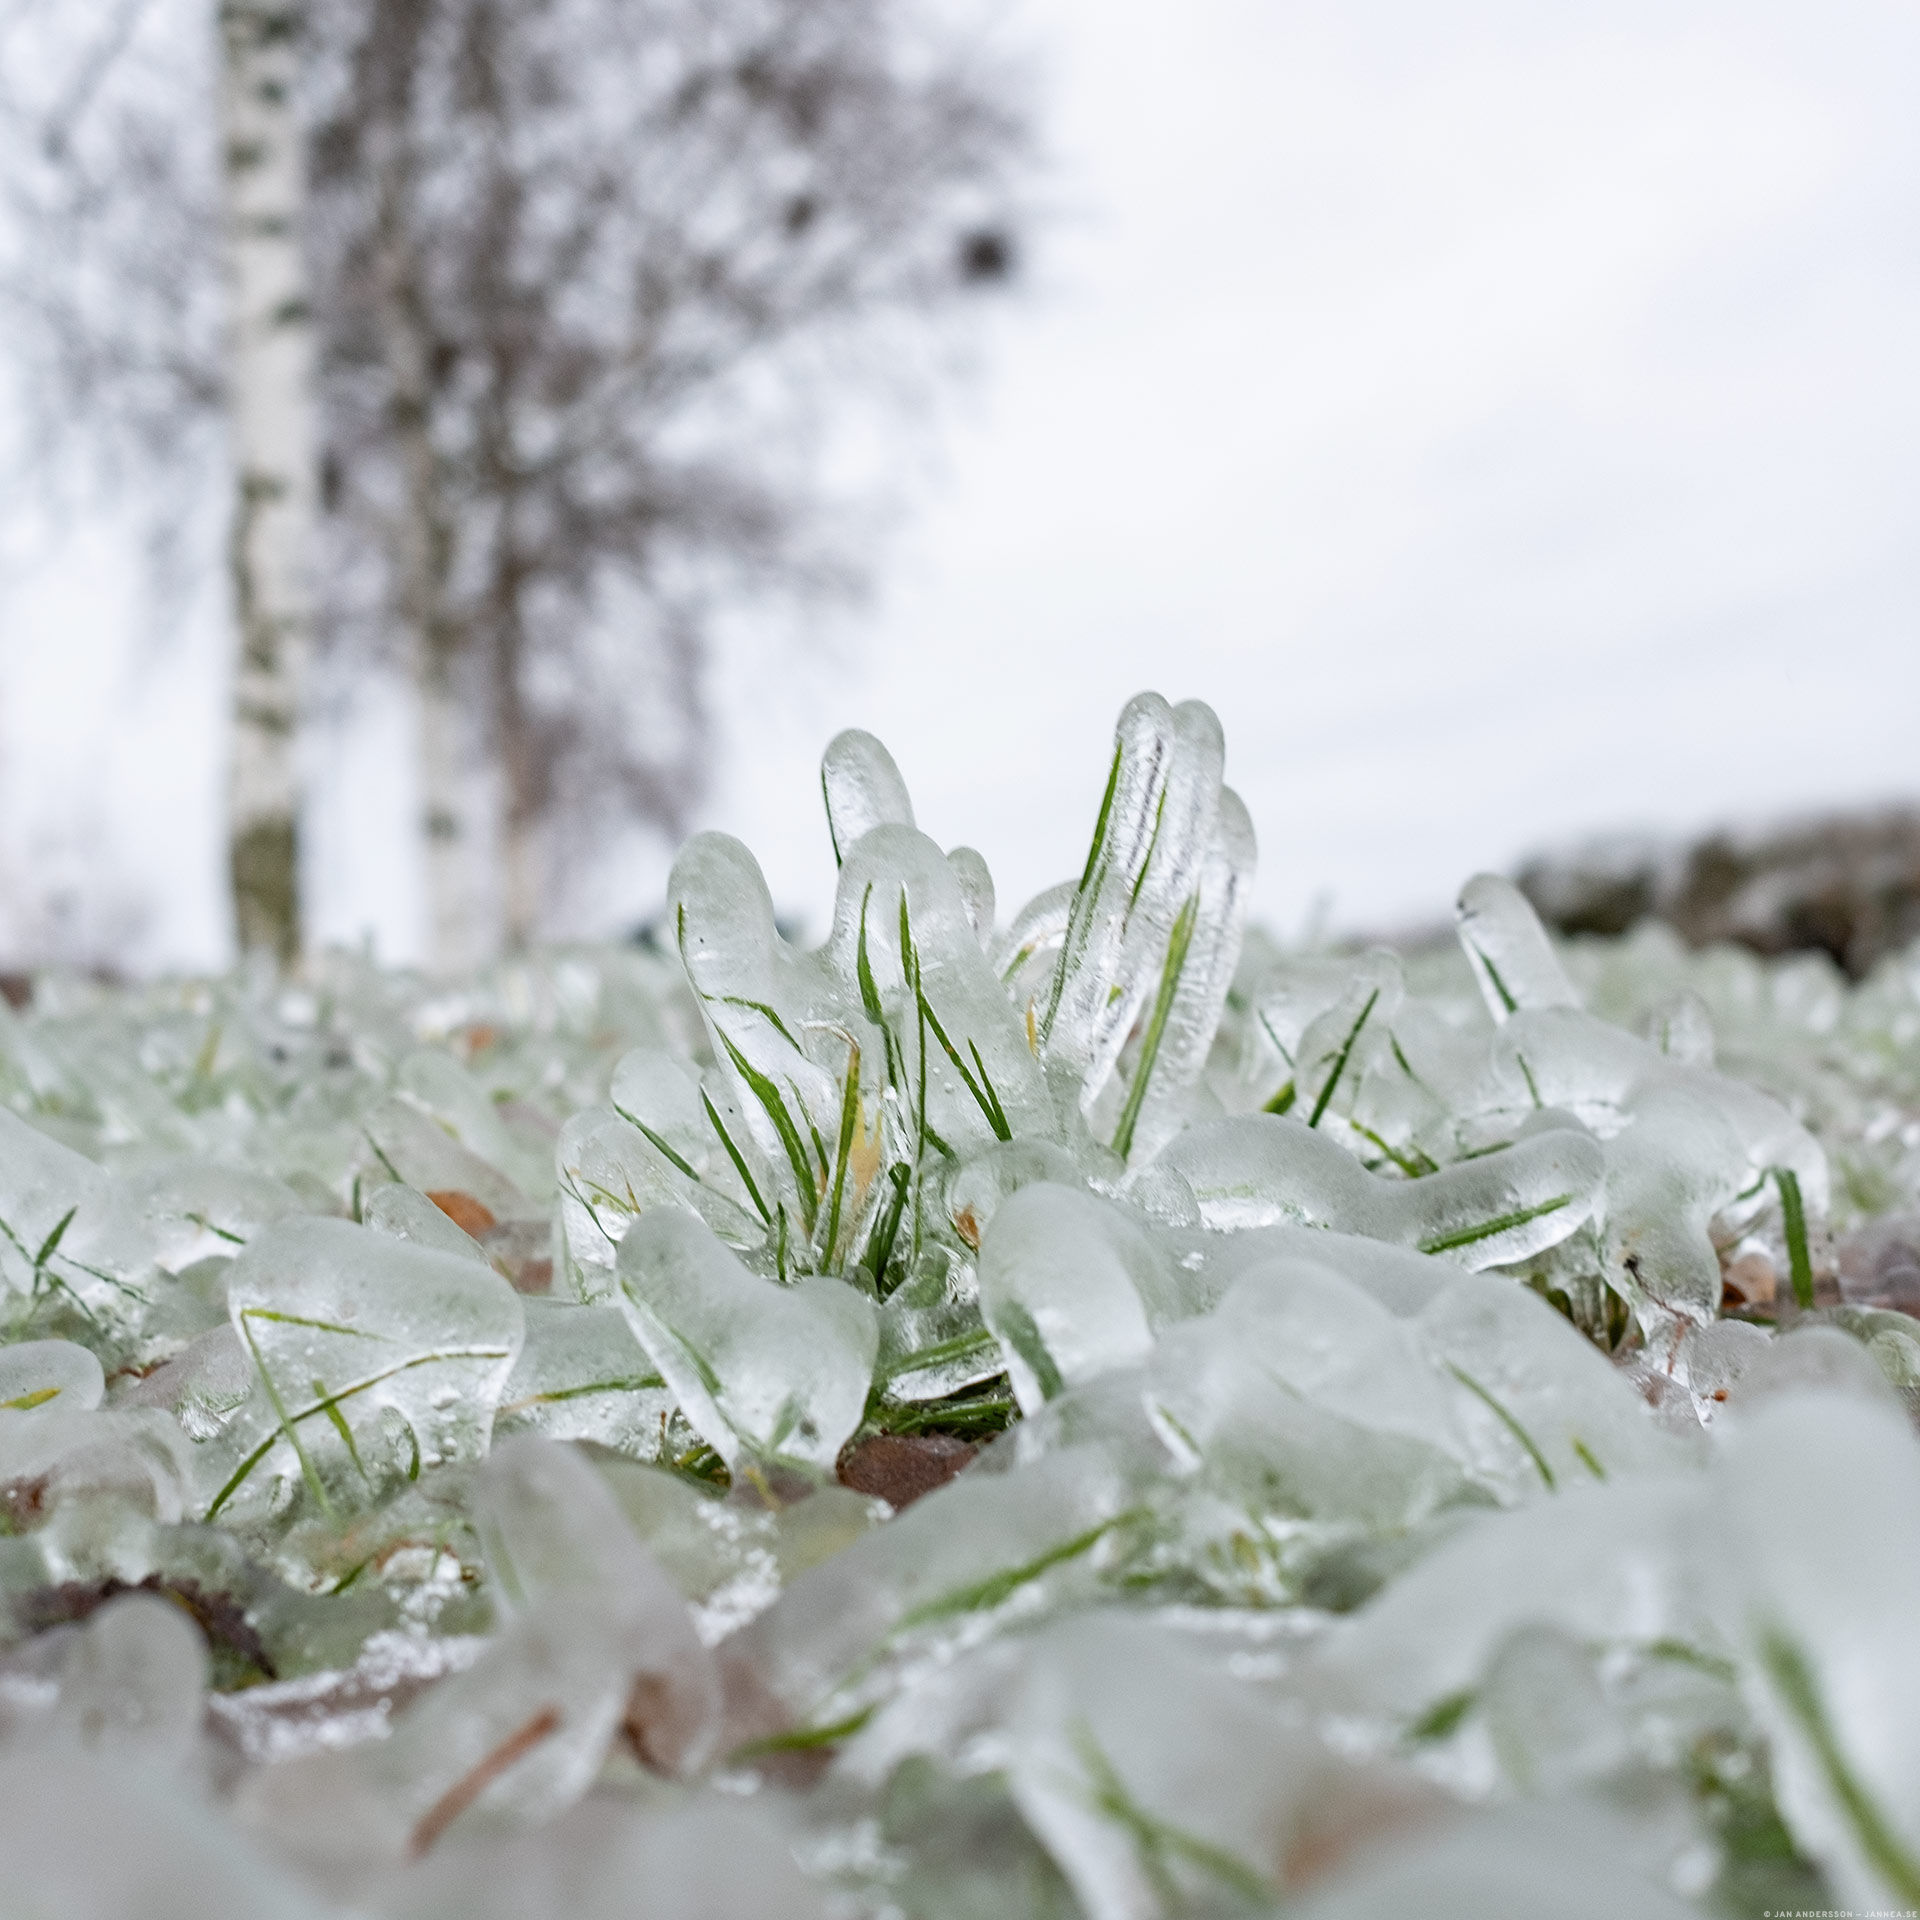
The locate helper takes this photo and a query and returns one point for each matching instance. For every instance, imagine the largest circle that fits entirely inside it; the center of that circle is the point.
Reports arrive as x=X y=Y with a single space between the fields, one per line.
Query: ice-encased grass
x=1455 y=1404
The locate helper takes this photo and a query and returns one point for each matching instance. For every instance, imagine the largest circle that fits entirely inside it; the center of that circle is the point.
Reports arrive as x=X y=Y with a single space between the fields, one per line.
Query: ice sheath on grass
x=1354 y=1492
x=374 y=1361
x=765 y=1373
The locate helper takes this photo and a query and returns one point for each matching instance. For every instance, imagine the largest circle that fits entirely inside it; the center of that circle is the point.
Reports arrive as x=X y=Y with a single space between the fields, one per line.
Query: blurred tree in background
x=513 y=326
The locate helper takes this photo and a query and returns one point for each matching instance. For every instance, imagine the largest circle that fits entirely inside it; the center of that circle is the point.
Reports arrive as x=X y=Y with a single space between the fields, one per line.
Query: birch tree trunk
x=454 y=842
x=271 y=406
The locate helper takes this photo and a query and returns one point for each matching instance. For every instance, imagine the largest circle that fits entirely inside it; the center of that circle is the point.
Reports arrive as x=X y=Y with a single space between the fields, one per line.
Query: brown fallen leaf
x=532 y=1276
x=463 y=1210
x=1352 y=1810
x=1751 y=1280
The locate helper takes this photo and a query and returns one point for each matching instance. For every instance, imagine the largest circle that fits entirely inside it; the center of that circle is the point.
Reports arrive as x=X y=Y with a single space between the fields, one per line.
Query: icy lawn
x=1085 y=1414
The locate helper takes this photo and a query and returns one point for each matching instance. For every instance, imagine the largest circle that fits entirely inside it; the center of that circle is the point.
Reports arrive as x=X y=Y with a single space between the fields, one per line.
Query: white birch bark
x=271 y=403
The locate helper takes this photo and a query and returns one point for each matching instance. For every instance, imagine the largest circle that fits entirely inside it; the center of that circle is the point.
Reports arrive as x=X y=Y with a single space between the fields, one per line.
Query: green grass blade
x=379 y=1153
x=1078 y=917
x=1178 y=944
x=1414 y=1164
x=984 y=1097
x=826 y=800
x=1024 y=1338
x=984 y=1413
x=1526 y=1073
x=736 y=1156
x=920 y=1091
x=1788 y=1668
x=805 y=1739
x=766 y=1012
x=1500 y=1223
x=981 y=1595
x=659 y=1145
x=338 y=1421
x=863 y=967
x=321 y=1407
x=52 y=1241
x=1493 y=973
x=888 y=1230
x=279 y=1406
x=1342 y=1057
x=1279 y=1045
x=770 y=1098
x=276 y=1318
x=909 y=953
x=1507 y=1420
x=1146 y=865
x=219 y=1233
x=623 y=1383
x=1156 y=1842
x=1443 y=1719
x=849 y=1117
x=963 y=1346
x=997 y=1114
x=1793 y=1219
x=1100 y=822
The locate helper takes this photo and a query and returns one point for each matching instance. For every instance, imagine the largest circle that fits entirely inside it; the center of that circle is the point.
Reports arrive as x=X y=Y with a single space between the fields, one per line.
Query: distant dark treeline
x=1844 y=884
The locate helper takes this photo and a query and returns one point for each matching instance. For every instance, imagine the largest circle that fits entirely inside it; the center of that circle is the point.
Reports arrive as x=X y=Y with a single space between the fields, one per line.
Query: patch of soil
x=240 y=1656
x=900 y=1467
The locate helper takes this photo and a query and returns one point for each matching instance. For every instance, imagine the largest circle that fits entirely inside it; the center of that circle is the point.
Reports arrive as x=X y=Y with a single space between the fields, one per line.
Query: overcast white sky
x=1508 y=416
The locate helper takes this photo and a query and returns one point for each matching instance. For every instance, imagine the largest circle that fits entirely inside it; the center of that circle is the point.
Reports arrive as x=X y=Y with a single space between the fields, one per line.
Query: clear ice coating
x=1513 y=961
x=1157 y=1781
x=374 y=1360
x=1083 y=1411
x=45 y=1373
x=764 y=1372
x=581 y=1375
x=863 y=790
x=709 y=1858
x=1819 y=1496
x=554 y=1534
x=1261 y=1170
x=595 y=1644
x=1071 y=1287
x=135 y=1683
